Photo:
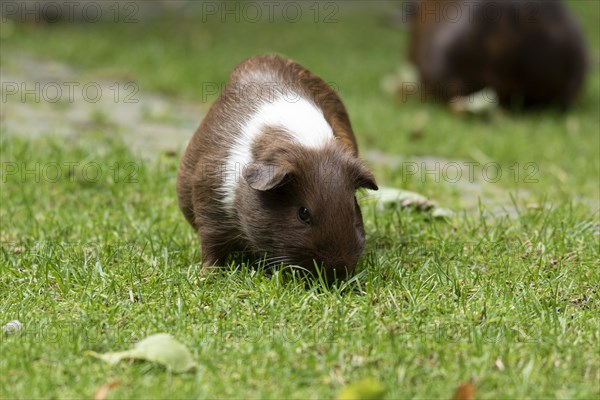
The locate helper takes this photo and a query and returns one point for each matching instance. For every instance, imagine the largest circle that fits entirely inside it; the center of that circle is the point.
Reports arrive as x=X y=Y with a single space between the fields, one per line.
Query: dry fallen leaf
x=160 y=348
x=387 y=196
x=478 y=103
x=499 y=364
x=12 y=327
x=466 y=391
x=402 y=82
x=103 y=390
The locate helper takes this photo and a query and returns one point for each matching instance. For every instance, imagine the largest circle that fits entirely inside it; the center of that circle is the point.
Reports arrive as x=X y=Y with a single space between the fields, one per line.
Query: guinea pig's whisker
x=298 y=267
x=233 y=238
x=275 y=261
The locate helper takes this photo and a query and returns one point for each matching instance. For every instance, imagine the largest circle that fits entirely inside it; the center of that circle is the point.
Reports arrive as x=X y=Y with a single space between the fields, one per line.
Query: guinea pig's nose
x=344 y=264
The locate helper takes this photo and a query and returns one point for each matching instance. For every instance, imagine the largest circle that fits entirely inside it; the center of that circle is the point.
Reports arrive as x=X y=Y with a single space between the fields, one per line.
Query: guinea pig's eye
x=304 y=215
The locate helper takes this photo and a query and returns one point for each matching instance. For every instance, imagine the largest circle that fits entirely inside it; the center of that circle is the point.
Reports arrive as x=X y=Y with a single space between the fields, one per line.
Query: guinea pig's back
x=546 y=58
x=198 y=177
x=283 y=78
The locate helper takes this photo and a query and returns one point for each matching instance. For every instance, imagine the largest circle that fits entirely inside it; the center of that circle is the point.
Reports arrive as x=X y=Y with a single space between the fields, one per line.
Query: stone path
x=41 y=97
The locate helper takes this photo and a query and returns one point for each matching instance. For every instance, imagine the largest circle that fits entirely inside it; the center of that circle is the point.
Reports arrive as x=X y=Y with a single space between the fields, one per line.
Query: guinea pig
x=272 y=172
x=531 y=53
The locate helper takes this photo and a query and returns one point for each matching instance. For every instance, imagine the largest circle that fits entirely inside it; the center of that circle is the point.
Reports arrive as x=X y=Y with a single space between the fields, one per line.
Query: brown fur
x=531 y=52
x=284 y=176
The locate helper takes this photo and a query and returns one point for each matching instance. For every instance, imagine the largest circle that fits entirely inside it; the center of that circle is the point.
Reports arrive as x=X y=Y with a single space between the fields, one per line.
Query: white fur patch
x=301 y=118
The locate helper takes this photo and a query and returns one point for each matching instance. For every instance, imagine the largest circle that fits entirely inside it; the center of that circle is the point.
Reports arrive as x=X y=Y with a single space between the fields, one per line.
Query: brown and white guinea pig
x=272 y=172
x=531 y=52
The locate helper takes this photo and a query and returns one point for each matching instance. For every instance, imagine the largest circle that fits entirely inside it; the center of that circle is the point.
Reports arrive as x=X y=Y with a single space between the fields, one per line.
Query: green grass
x=509 y=302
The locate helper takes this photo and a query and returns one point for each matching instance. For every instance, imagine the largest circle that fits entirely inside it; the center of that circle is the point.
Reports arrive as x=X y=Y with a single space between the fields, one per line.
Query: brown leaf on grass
x=466 y=391
x=103 y=390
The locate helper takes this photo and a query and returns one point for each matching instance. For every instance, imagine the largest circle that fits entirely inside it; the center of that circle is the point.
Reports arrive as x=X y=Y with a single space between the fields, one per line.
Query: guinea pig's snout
x=338 y=257
x=341 y=269
x=341 y=266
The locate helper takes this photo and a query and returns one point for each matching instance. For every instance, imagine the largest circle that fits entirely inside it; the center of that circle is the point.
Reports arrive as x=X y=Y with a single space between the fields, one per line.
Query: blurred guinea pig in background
x=531 y=53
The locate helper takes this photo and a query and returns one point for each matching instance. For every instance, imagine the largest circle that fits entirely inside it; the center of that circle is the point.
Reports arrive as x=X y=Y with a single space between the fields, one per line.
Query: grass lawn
x=504 y=294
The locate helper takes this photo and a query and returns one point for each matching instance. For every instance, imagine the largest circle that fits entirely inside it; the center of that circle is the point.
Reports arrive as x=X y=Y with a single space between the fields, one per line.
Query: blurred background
x=146 y=73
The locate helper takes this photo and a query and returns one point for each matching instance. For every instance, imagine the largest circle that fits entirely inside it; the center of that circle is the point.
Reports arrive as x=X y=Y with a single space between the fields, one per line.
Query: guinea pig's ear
x=364 y=178
x=265 y=177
